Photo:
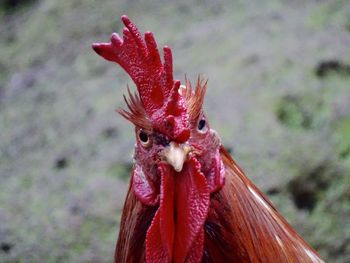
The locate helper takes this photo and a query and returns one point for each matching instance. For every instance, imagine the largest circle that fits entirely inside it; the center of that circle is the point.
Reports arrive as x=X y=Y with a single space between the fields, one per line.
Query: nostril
x=162 y=140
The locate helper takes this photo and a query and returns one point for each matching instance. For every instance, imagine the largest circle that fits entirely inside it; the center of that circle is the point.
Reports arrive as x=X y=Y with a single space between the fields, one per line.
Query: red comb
x=154 y=80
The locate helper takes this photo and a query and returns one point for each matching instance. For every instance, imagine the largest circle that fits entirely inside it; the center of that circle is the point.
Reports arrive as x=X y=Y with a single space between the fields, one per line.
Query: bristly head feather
x=194 y=98
x=136 y=114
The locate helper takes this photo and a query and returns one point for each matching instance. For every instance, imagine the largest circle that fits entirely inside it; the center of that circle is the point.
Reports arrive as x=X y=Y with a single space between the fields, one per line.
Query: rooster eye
x=202 y=125
x=144 y=138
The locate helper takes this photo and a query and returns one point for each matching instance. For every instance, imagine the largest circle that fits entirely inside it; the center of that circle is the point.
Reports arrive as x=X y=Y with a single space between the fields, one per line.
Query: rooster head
x=177 y=160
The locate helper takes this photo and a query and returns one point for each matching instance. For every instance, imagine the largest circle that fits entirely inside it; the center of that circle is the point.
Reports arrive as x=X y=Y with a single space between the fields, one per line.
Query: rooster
x=188 y=201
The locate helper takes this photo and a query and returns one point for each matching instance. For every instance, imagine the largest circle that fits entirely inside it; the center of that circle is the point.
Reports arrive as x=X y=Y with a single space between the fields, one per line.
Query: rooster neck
x=135 y=221
x=243 y=226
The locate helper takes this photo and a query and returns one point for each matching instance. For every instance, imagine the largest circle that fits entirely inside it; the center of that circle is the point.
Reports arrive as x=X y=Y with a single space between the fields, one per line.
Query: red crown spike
x=116 y=40
x=140 y=61
x=136 y=35
x=154 y=81
x=168 y=66
x=153 y=49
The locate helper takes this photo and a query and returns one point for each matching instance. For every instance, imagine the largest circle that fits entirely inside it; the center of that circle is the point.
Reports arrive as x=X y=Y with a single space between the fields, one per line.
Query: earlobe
x=143 y=187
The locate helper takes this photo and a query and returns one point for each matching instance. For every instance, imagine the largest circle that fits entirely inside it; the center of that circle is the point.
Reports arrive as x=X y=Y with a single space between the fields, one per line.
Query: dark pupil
x=201 y=124
x=143 y=136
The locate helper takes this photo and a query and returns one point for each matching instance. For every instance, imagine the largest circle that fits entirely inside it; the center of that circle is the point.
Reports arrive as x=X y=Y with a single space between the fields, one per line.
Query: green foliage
x=291 y=113
x=342 y=135
x=10 y=6
x=121 y=171
x=330 y=13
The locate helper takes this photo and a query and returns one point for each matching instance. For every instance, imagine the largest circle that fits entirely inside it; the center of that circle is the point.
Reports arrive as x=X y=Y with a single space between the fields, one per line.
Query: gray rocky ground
x=279 y=96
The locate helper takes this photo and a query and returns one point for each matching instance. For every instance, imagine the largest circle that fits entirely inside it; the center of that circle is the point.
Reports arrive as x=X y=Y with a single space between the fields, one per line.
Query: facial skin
x=153 y=148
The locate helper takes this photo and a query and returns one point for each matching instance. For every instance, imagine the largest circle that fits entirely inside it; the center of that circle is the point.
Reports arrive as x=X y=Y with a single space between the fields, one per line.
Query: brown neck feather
x=243 y=225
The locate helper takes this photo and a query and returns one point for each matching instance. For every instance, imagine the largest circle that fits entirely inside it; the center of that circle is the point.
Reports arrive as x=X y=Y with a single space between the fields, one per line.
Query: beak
x=175 y=155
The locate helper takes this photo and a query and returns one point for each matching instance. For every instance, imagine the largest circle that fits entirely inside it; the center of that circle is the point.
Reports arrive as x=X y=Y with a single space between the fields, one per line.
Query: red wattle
x=155 y=251
x=160 y=235
x=192 y=203
x=176 y=233
x=167 y=224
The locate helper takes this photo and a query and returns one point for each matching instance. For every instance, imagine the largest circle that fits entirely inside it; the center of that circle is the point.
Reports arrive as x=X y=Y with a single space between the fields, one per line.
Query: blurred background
x=279 y=96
